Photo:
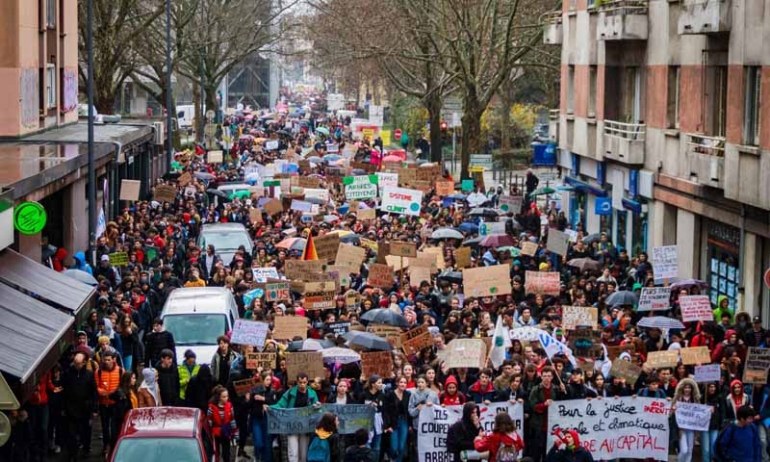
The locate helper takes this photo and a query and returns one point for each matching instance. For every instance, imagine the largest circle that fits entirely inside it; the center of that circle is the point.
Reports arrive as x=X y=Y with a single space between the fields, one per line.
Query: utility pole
x=91 y=166
x=169 y=146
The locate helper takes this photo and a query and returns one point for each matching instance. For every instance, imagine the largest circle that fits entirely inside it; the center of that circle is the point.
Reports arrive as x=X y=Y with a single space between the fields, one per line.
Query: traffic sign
x=397 y=134
x=481 y=160
x=603 y=206
x=29 y=218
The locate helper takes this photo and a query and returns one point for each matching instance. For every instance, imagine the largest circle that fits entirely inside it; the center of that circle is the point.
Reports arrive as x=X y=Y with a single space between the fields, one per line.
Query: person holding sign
x=300 y=395
x=686 y=392
x=262 y=396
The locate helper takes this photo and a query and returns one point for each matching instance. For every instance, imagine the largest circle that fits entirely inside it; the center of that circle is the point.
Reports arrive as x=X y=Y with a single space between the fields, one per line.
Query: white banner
x=691 y=416
x=387 y=180
x=654 y=299
x=402 y=201
x=436 y=420
x=634 y=428
x=665 y=262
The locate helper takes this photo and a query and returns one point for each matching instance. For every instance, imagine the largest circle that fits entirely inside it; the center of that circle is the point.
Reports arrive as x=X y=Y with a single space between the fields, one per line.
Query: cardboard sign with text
x=463 y=257
x=366 y=214
x=288 y=327
x=558 y=241
x=309 y=362
x=273 y=206
x=129 y=190
x=403 y=249
x=658 y=359
x=529 y=248
x=547 y=283
x=349 y=256
x=164 y=193
x=626 y=370
x=695 y=355
x=445 y=188
x=377 y=362
x=417 y=274
x=380 y=275
x=244 y=386
x=275 y=291
x=487 y=281
x=319 y=300
x=390 y=333
x=416 y=339
x=300 y=269
x=757 y=365
x=579 y=316
x=654 y=299
x=326 y=246
x=665 y=262
x=696 y=308
x=469 y=353
x=255 y=215
x=184 y=179
x=613 y=351
x=263 y=360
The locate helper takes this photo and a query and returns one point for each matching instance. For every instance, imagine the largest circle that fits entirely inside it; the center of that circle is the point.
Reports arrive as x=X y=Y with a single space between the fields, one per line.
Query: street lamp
x=91 y=166
x=169 y=147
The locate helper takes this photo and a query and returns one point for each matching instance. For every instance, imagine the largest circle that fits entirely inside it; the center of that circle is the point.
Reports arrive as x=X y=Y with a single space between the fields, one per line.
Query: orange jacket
x=106 y=383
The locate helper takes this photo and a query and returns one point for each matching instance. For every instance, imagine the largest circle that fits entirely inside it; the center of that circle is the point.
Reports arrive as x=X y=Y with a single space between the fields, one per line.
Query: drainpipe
x=741 y=260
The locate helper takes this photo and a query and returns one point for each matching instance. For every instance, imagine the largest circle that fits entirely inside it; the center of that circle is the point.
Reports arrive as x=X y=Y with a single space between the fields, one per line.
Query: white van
x=186 y=115
x=197 y=316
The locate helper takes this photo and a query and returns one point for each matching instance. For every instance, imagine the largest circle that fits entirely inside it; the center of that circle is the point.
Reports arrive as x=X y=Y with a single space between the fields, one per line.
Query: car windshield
x=224 y=240
x=158 y=450
x=193 y=329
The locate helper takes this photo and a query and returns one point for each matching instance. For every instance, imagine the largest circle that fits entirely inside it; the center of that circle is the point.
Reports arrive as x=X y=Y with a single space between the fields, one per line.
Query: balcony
x=705 y=17
x=622 y=20
x=706 y=159
x=553 y=31
x=624 y=142
x=553 y=126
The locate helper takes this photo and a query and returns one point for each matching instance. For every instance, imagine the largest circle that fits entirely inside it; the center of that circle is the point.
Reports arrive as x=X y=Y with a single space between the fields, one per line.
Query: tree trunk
x=471 y=142
x=196 y=100
x=433 y=105
x=505 y=120
x=211 y=98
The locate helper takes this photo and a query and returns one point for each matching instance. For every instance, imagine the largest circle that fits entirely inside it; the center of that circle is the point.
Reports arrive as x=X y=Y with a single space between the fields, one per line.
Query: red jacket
x=39 y=395
x=216 y=420
x=494 y=440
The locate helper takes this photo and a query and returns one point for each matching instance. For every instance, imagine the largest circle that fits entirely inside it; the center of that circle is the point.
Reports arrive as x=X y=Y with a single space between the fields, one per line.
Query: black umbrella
x=452 y=276
x=473 y=242
x=171 y=175
x=484 y=212
x=216 y=192
x=591 y=238
x=367 y=340
x=283 y=132
x=385 y=316
x=622 y=297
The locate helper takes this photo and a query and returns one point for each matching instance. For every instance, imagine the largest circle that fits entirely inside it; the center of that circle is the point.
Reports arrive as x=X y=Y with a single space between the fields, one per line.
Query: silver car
x=226 y=238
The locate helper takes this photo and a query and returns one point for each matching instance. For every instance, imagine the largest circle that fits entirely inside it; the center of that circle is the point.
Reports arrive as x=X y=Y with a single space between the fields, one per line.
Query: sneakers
x=242 y=454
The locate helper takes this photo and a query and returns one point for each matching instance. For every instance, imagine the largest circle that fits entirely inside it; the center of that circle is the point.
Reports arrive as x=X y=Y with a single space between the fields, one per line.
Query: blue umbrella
x=333 y=157
x=344 y=209
x=249 y=296
x=468 y=227
x=457 y=197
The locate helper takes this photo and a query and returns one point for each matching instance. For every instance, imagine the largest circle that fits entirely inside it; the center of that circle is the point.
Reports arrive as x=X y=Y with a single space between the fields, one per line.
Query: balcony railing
x=705 y=17
x=624 y=142
x=706 y=158
x=553 y=114
x=622 y=20
x=709 y=145
x=553 y=31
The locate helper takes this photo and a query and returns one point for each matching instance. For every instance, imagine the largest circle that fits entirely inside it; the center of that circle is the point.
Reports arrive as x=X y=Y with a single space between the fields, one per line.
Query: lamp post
x=169 y=147
x=91 y=166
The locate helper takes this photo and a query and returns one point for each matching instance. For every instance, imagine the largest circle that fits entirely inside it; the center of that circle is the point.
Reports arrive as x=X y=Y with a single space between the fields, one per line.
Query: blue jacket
x=741 y=443
x=319 y=450
x=80 y=263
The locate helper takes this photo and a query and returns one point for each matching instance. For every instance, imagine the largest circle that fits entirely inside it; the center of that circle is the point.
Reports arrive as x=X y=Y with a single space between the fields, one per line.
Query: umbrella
x=359 y=171
x=622 y=297
x=484 y=212
x=314 y=159
x=340 y=355
x=473 y=242
x=309 y=345
x=452 y=276
x=457 y=197
x=249 y=296
x=292 y=243
x=497 y=240
x=171 y=175
x=446 y=233
x=333 y=157
x=315 y=200
x=527 y=333
x=661 y=322
x=331 y=218
x=468 y=227
x=542 y=191
x=340 y=232
x=283 y=132
x=367 y=340
x=585 y=264
x=591 y=238
x=391 y=158
x=204 y=176
x=687 y=283
x=216 y=192
x=81 y=276
x=322 y=130
x=385 y=316
x=515 y=251
x=351 y=239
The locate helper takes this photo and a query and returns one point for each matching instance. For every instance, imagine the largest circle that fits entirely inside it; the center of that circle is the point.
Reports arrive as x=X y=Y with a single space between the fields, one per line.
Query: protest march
x=372 y=307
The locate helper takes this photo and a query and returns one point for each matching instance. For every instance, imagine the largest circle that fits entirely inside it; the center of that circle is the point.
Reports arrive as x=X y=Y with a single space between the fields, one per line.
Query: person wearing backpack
x=320 y=449
x=503 y=444
x=739 y=441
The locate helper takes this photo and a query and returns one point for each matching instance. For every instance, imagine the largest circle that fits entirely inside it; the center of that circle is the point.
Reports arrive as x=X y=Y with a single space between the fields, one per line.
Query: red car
x=165 y=434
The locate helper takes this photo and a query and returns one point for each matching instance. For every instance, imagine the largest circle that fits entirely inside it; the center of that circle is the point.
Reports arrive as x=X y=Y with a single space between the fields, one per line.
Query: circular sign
x=767 y=278
x=5 y=428
x=397 y=134
x=29 y=217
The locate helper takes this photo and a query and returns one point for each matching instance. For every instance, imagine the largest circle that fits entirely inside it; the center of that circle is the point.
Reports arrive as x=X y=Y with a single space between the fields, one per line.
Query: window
x=571 y=90
x=672 y=102
x=752 y=90
x=50 y=85
x=719 y=124
x=592 y=91
x=50 y=13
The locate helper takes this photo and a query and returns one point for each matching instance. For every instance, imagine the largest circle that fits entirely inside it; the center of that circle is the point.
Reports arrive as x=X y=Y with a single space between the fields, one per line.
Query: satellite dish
x=5 y=429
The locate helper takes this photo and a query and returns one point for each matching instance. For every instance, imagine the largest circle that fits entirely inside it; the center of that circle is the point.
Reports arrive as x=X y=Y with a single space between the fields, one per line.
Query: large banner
x=436 y=420
x=634 y=428
x=304 y=419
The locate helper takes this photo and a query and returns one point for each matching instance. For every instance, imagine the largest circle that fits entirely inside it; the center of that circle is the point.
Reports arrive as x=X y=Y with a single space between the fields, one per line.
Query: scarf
x=149 y=382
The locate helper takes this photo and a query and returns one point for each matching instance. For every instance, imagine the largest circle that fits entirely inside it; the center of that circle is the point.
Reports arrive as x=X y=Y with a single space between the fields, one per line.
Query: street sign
x=29 y=218
x=452 y=105
x=546 y=175
x=482 y=161
x=603 y=206
x=397 y=134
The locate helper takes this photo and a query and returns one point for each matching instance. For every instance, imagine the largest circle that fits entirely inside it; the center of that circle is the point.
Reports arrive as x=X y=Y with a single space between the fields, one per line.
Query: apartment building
x=664 y=132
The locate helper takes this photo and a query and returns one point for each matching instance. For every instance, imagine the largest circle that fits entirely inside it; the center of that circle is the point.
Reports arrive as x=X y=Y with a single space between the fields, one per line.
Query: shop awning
x=585 y=187
x=30 y=332
x=53 y=288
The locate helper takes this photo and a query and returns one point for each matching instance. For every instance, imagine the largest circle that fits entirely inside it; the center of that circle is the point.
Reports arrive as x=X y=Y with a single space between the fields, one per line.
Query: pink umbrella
x=391 y=158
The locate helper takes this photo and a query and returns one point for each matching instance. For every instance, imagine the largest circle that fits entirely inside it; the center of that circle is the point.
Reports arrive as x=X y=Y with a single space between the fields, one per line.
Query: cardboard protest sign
x=511 y=204
x=352 y=299
x=275 y=291
x=470 y=353
x=613 y=351
x=558 y=241
x=306 y=182
x=262 y=274
x=445 y=188
x=437 y=253
x=320 y=299
x=692 y=416
x=380 y=275
x=696 y=308
x=654 y=299
x=708 y=373
x=214 y=157
x=255 y=215
x=351 y=417
x=129 y=190
x=244 y=386
x=288 y=327
x=387 y=180
x=164 y=193
x=309 y=362
x=626 y=370
x=548 y=283
x=463 y=257
x=337 y=328
x=757 y=365
x=665 y=262
x=377 y=362
x=390 y=333
x=414 y=340
x=249 y=333
x=529 y=248
x=273 y=206
x=403 y=249
x=184 y=179
x=417 y=274
x=263 y=360
x=579 y=316
x=300 y=269
x=695 y=355
x=349 y=256
x=658 y=359
x=586 y=343
x=118 y=259
x=487 y=281
x=366 y=214
x=326 y=246
x=609 y=429
x=301 y=206
x=435 y=422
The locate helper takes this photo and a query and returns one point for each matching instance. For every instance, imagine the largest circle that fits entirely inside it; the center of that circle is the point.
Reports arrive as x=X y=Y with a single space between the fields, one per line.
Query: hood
x=719 y=302
x=80 y=258
x=468 y=409
x=680 y=389
x=736 y=382
x=730 y=332
x=60 y=253
x=450 y=379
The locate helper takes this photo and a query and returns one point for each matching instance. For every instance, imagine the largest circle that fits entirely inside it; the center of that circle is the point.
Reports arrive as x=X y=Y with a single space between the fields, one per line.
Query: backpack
x=319 y=450
x=506 y=453
x=720 y=451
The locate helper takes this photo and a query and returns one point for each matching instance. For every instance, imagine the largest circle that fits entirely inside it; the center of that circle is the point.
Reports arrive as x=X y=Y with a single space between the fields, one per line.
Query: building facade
x=664 y=132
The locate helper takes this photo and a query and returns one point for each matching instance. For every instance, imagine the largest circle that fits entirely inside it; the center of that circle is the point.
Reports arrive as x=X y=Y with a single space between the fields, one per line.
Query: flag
x=500 y=341
x=554 y=347
x=309 y=253
x=101 y=224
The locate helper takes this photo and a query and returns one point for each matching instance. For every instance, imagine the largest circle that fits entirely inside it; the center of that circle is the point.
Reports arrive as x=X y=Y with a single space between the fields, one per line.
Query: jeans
x=686 y=443
x=707 y=441
x=263 y=442
x=110 y=425
x=128 y=361
x=374 y=443
x=398 y=438
x=296 y=447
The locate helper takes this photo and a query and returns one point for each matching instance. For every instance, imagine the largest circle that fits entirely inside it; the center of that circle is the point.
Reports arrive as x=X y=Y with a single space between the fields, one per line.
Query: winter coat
x=289 y=398
x=219 y=370
x=360 y=454
x=494 y=441
x=147 y=400
x=199 y=388
x=168 y=381
x=79 y=392
x=394 y=408
x=155 y=342
x=184 y=378
x=462 y=433
x=478 y=393
x=320 y=449
x=420 y=397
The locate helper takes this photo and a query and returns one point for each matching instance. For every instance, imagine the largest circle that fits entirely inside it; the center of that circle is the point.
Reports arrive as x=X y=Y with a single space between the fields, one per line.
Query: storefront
x=723 y=244
x=628 y=223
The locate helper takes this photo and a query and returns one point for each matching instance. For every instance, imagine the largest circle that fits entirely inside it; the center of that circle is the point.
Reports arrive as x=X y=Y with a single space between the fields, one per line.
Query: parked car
x=165 y=434
x=196 y=316
x=226 y=238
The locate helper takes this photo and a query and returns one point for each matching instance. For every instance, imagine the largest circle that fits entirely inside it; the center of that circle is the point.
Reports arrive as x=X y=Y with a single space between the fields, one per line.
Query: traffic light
x=444 y=126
